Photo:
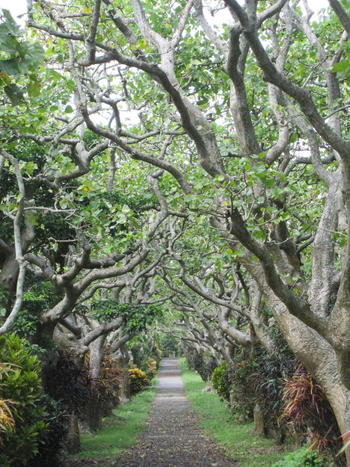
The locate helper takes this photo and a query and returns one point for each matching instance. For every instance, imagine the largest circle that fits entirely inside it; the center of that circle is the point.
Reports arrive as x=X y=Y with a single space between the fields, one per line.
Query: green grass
x=120 y=431
x=215 y=419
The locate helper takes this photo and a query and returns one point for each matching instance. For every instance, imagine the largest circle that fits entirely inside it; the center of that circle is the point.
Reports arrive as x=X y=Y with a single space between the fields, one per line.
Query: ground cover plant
x=120 y=430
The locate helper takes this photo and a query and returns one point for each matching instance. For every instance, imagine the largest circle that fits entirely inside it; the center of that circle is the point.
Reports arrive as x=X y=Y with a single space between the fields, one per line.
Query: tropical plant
x=20 y=384
x=138 y=380
x=306 y=408
x=220 y=379
x=7 y=421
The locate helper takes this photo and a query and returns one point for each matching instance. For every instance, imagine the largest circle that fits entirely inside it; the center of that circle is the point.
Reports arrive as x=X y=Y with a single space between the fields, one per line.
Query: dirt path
x=172 y=436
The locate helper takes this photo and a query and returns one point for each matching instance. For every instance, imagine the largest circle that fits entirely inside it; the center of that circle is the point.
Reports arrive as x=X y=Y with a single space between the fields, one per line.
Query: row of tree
x=162 y=157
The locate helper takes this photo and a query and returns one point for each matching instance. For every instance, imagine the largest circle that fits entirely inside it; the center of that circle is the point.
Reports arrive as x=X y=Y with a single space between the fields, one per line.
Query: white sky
x=18 y=7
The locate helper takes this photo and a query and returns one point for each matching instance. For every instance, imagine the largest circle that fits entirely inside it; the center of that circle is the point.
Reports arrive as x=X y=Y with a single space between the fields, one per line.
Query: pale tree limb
x=17 y=221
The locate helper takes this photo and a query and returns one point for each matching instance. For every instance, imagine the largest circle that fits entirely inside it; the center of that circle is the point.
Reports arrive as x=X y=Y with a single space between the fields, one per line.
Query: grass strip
x=121 y=430
x=215 y=419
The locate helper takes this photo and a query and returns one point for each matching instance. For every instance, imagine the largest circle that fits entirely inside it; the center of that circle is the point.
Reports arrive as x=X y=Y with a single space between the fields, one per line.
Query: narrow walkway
x=172 y=437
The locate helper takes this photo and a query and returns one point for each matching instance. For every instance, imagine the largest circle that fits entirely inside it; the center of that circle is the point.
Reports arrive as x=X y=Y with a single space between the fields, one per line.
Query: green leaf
x=14 y=93
x=10 y=66
x=344 y=65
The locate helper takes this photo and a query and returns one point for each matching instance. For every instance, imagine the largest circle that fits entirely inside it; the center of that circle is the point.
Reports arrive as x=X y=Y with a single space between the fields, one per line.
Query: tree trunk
x=124 y=390
x=259 y=420
x=95 y=409
x=73 y=435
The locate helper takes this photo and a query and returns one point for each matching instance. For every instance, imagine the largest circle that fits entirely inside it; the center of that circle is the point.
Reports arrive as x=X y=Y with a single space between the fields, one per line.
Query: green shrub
x=151 y=368
x=138 y=380
x=243 y=394
x=51 y=441
x=23 y=387
x=303 y=457
x=221 y=382
x=67 y=379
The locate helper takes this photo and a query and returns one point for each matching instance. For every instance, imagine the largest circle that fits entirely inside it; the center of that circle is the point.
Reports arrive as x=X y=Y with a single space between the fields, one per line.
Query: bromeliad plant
x=307 y=410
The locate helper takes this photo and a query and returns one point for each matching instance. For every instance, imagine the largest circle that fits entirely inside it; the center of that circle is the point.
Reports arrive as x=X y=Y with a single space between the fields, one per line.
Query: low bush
x=22 y=386
x=221 y=381
x=307 y=410
x=138 y=380
x=67 y=379
x=151 y=368
x=303 y=457
x=108 y=384
x=51 y=441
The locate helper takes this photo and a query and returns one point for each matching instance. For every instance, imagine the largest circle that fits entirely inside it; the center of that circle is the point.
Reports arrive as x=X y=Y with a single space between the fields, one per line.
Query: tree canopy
x=180 y=166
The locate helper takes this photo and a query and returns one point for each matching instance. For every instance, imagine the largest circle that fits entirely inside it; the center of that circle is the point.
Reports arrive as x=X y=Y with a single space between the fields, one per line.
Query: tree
x=274 y=75
x=234 y=134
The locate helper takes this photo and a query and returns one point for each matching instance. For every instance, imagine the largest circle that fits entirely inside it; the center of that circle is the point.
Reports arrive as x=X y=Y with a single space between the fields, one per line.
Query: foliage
x=151 y=368
x=145 y=350
x=51 y=443
x=221 y=381
x=137 y=316
x=306 y=408
x=67 y=379
x=243 y=394
x=138 y=380
x=108 y=382
x=169 y=344
x=38 y=297
x=17 y=57
x=22 y=385
x=7 y=421
x=302 y=457
x=267 y=380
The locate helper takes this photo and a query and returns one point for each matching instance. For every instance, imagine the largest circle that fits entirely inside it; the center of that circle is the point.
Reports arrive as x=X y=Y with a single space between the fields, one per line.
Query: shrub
x=7 y=421
x=151 y=368
x=221 y=381
x=67 y=379
x=138 y=380
x=51 y=441
x=267 y=380
x=243 y=394
x=21 y=385
x=303 y=457
x=307 y=410
x=108 y=383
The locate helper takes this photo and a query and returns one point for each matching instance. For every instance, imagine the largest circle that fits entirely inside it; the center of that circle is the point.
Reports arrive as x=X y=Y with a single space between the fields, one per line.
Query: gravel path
x=172 y=436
